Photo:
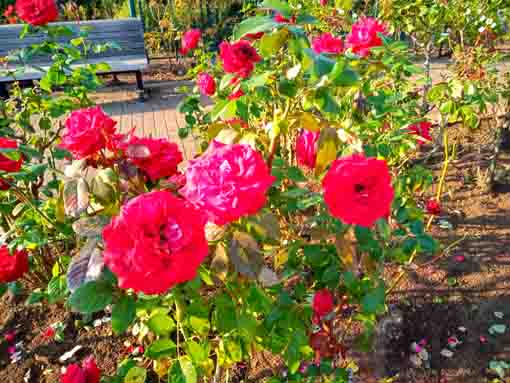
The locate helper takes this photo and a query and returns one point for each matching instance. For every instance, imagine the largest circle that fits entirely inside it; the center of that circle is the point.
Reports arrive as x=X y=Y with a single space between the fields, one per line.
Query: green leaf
x=279 y=6
x=91 y=297
x=123 y=313
x=161 y=324
x=342 y=75
x=136 y=375
x=188 y=370
x=3 y=289
x=373 y=302
x=224 y=110
x=199 y=353
x=176 y=375
x=162 y=348
x=254 y=25
x=271 y=43
x=57 y=289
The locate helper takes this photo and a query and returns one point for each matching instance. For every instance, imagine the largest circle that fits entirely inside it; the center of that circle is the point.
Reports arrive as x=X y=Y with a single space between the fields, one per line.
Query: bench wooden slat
x=126 y=33
x=117 y=64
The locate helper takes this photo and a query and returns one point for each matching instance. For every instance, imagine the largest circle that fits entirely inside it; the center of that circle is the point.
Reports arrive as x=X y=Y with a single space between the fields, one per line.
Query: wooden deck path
x=156 y=117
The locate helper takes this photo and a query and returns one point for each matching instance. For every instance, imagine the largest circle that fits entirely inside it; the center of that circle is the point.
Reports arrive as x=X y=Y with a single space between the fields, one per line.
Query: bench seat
x=127 y=34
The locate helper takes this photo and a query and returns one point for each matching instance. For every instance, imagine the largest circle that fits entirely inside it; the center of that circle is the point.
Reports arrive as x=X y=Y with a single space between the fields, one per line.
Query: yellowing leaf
x=281 y=258
x=309 y=122
x=327 y=149
x=227 y=136
x=346 y=249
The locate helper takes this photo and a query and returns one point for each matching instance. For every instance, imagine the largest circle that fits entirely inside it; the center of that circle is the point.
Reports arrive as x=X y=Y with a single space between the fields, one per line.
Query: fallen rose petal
x=446 y=353
x=10 y=336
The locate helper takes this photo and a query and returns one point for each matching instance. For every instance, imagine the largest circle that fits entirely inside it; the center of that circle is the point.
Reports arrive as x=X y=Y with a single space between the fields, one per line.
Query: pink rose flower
x=358 y=190
x=323 y=302
x=422 y=130
x=87 y=132
x=364 y=36
x=327 y=43
x=227 y=182
x=306 y=148
x=239 y=58
x=158 y=158
x=7 y=164
x=206 y=84
x=156 y=242
x=324 y=2
x=190 y=41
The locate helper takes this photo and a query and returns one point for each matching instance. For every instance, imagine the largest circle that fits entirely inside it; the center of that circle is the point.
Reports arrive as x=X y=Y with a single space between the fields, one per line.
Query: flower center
x=172 y=235
x=359 y=188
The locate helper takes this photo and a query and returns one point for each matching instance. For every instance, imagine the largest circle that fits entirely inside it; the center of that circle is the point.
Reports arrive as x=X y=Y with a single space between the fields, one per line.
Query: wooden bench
x=126 y=33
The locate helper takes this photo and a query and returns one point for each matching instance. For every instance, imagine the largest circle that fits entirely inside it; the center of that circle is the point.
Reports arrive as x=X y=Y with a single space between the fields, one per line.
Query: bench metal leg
x=4 y=94
x=140 y=86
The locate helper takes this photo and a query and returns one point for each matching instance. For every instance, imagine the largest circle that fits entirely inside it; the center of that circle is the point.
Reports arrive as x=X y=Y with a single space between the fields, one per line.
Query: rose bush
x=274 y=234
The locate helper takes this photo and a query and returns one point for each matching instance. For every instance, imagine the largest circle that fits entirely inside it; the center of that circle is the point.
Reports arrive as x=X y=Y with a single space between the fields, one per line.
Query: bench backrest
x=126 y=33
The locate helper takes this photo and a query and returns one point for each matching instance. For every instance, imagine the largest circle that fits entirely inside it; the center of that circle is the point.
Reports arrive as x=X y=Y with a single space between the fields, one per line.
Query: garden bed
x=455 y=295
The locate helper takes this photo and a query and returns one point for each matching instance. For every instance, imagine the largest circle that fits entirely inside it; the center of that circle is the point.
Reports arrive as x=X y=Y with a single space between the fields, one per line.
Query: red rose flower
x=9 y=10
x=324 y=2
x=87 y=132
x=422 y=130
x=322 y=302
x=74 y=374
x=156 y=242
x=91 y=370
x=37 y=12
x=236 y=94
x=279 y=18
x=7 y=164
x=239 y=58
x=306 y=148
x=87 y=373
x=358 y=190
x=364 y=36
x=227 y=182
x=327 y=43
x=159 y=157
x=206 y=84
x=433 y=207
x=12 y=266
x=190 y=41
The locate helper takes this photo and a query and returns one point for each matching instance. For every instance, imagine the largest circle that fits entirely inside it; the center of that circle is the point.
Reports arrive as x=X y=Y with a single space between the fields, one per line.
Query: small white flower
x=468 y=12
x=494 y=25
x=481 y=29
x=482 y=18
